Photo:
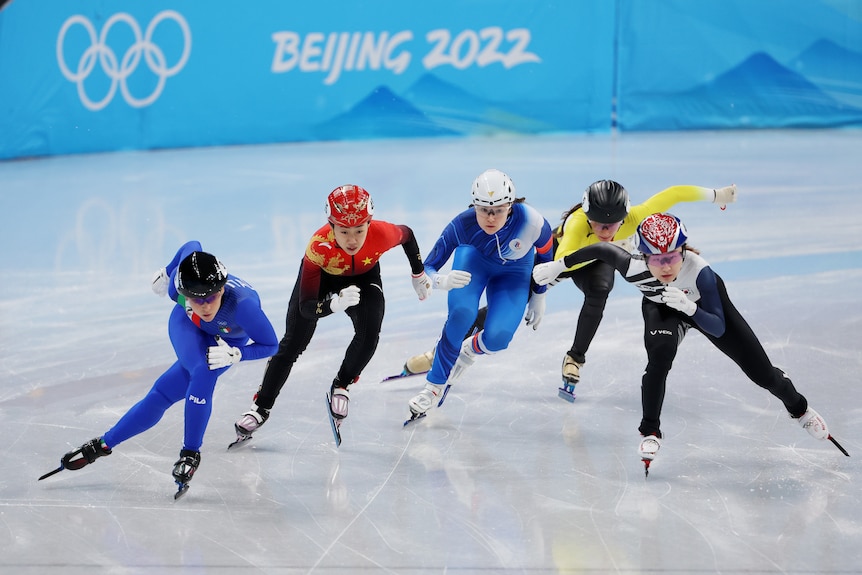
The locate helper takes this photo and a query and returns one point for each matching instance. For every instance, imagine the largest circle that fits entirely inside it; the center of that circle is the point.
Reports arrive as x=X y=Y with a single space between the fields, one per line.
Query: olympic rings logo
x=118 y=72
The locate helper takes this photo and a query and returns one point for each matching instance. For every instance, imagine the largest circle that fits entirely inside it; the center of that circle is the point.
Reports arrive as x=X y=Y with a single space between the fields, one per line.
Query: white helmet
x=493 y=188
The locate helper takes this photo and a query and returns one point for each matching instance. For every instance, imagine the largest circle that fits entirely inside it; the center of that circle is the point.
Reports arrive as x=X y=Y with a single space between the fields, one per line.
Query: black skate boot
x=86 y=454
x=184 y=470
x=78 y=458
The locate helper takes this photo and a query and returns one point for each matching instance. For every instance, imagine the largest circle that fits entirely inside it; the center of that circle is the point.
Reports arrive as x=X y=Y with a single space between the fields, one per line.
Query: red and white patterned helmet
x=349 y=206
x=661 y=233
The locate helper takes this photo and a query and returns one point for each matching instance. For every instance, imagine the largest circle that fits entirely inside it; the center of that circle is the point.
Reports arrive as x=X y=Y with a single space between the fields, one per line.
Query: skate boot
x=469 y=350
x=184 y=470
x=251 y=421
x=419 y=363
x=431 y=394
x=86 y=454
x=648 y=449
x=339 y=400
x=186 y=465
x=571 y=375
x=572 y=368
x=814 y=424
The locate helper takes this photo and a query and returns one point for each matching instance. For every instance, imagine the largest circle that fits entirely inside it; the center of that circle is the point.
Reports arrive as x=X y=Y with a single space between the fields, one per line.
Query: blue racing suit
x=239 y=320
x=500 y=265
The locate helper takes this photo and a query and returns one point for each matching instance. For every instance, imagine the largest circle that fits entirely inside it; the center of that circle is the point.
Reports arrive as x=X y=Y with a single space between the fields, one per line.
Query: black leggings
x=664 y=329
x=596 y=280
x=367 y=318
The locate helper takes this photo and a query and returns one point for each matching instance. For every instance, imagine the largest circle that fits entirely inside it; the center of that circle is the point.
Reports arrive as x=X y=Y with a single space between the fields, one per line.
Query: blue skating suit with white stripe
x=500 y=265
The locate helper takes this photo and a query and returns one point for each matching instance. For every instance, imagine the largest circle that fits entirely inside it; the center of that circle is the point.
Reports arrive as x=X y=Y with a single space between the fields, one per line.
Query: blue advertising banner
x=81 y=76
x=740 y=64
x=88 y=76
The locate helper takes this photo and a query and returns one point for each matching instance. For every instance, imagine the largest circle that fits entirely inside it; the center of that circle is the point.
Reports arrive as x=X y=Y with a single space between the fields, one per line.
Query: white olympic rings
x=154 y=56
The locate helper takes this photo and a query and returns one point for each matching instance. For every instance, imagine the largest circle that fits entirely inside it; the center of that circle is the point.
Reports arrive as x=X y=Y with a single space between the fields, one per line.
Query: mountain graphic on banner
x=458 y=109
x=760 y=92
x=833 y=68
x=433 y=107
x=381 y=114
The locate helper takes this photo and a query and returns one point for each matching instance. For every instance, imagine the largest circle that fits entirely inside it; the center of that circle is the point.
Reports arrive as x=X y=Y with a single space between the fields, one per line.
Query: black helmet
x=200 y=275
x=606 y=202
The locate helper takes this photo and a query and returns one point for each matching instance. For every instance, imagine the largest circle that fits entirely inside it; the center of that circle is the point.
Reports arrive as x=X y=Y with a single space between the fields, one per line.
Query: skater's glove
x=545 y=273
x=223 y=354
x=724 y=196
x=535 y=310
x=348 y=297
x=160 y=282
x=676 y=299
x=453 y=280
x=422 y=285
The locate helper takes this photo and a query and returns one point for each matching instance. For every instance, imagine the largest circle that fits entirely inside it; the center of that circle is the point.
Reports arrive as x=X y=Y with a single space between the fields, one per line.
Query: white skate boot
x=422 y=402
x=248 y=423
x=251 y=420
x=648 y=449
x=814 y=424
x=339 y=399
x=469 y=350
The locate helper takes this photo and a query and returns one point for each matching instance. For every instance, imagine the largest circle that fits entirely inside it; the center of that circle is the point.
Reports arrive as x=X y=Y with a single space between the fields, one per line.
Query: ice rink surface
x=505 y=477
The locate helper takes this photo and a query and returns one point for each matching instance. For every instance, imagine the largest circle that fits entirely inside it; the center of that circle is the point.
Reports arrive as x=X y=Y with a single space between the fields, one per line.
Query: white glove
x=160 y=282
x=545 y=273
x=453 y=280
x=725 y=195
x=223 y=354
x=674 y=298
x=535 y=310
x=422 y=285
x=348 y=297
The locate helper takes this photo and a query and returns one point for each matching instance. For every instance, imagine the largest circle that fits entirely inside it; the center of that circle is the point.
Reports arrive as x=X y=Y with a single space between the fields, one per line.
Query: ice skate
x=84 y=455
x=416 y=365
x=184 y=470
x=339 y=400
x=425 y=399
x=647 y=450
x=248 y=423
x=340 y=404
x=815 y=425
x=571 y=376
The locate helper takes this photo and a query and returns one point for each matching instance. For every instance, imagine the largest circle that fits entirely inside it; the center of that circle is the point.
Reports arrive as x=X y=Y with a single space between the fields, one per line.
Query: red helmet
x=349 y=206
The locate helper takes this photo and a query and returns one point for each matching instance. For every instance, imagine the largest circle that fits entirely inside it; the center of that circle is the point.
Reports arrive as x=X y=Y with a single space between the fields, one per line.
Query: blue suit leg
x=190 y=345
x=463 y=307
x=168 y=389
x=507 y=294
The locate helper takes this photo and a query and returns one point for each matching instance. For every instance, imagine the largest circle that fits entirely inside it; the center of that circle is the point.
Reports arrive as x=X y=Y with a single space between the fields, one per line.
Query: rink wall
x=81 y=76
